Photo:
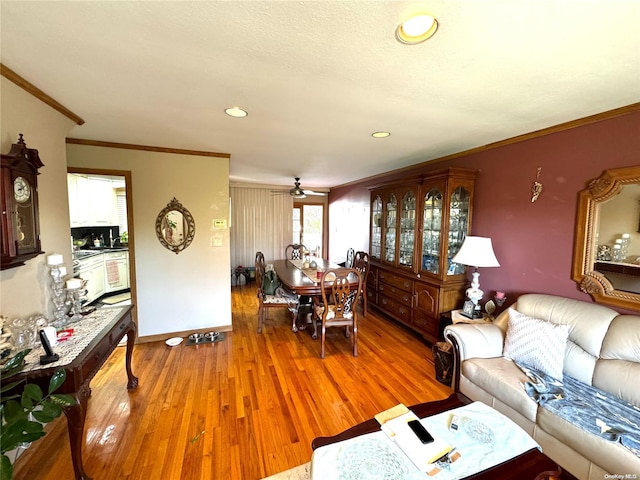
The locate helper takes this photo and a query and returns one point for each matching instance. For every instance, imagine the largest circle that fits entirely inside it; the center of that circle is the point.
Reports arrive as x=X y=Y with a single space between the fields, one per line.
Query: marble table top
x=301 y=472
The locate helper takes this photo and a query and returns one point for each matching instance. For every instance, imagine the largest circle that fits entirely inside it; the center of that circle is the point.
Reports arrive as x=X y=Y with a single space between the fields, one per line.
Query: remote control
x=420 y=431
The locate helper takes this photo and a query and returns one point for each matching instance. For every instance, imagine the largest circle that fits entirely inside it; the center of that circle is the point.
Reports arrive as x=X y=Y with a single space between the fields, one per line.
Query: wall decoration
x=536 y=189
x=175 y=227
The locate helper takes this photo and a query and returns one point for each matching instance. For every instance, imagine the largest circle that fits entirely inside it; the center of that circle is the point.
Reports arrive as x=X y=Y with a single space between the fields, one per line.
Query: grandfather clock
x=20 y=223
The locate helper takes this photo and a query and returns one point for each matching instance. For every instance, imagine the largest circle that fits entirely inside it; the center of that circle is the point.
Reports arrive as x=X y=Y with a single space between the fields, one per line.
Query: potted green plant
x=25 y=410
x=124 y=238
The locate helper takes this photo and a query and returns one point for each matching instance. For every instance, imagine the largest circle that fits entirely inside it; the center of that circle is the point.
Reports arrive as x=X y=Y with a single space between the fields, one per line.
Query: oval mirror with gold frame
x=609 y=215
x=175 y=227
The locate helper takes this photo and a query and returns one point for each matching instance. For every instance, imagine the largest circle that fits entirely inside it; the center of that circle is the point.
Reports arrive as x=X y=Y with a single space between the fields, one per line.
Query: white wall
x=191 y=290
x=347 y=221
x=22 y=288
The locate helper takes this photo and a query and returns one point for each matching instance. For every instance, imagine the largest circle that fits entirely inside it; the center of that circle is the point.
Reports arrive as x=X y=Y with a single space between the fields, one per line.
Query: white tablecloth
x=485 y=438
x=84 y=331
x=311 y=273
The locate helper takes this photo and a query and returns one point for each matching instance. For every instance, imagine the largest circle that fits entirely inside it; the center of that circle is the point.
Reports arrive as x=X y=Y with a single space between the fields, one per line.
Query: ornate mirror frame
x=165 y=227
x=590 y=281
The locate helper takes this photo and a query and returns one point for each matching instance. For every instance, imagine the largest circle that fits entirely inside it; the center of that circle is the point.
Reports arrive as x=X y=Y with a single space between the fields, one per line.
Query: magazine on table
x=395 y=423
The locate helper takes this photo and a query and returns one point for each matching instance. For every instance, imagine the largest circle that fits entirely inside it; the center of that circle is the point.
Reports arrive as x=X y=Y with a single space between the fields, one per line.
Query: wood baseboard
x=184 y=333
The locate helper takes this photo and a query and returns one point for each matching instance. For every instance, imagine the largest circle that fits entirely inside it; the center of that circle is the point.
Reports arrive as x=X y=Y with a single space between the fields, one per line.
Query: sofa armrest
x=483 y=340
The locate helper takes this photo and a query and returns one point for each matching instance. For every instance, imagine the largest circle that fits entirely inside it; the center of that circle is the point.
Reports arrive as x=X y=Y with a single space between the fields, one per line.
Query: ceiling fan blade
x=297 y=191
x=311 y=192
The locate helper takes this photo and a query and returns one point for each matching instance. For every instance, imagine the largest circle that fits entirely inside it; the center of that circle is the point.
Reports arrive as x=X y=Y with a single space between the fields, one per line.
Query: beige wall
x=191 y=290
x=22 y=290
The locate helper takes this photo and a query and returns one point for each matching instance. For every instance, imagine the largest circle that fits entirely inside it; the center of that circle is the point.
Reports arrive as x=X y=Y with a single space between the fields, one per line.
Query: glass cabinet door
x=390 y=229
x=458 y=227
x=431 y=228
x=407 y=229
x=376 y=227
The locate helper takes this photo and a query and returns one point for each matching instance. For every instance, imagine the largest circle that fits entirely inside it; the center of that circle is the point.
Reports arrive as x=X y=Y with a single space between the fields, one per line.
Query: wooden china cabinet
x=417 y=226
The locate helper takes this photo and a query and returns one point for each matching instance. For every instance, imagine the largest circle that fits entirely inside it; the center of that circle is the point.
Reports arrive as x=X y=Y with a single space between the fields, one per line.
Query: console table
x=81 y=356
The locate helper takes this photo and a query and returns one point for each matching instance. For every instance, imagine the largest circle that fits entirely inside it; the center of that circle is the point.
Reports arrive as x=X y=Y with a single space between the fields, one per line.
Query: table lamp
x=475 y=252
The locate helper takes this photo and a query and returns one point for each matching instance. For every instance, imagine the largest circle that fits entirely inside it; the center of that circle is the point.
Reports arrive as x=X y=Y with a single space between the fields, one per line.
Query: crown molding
x=598 y=117
x=146 y=148
x=29 y=87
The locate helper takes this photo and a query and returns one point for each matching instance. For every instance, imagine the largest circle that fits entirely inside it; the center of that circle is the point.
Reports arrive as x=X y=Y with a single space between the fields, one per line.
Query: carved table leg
x=131 y=338
x=75 y=423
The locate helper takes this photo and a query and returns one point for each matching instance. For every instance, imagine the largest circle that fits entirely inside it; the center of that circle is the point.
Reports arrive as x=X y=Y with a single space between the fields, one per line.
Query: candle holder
x=76 y=305
x=76 y=295
x=624 y=247
x=59 y=297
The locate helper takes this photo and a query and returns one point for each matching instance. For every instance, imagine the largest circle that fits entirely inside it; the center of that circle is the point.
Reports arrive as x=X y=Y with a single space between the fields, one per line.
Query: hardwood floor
x=243 y=408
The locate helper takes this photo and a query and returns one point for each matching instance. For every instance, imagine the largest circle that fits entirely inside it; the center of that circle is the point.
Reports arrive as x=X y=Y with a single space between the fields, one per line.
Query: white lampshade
x=476 y=252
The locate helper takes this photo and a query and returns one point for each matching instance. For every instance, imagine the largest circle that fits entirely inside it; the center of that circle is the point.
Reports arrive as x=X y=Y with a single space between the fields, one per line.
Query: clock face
x=21 y=190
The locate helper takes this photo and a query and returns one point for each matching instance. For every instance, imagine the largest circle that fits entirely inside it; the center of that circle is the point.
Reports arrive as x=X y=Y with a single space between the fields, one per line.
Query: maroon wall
x=532 y=241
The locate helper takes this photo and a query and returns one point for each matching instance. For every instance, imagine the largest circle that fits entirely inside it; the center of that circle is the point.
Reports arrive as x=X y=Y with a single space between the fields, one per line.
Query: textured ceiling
x=318 y=77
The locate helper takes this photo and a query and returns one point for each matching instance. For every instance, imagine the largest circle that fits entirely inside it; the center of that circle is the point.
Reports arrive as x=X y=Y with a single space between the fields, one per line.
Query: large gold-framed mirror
x=606 y=254
x=175 y=227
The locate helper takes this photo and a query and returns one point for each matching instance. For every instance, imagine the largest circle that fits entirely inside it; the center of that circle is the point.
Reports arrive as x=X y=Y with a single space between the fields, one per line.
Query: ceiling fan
x=297 y=191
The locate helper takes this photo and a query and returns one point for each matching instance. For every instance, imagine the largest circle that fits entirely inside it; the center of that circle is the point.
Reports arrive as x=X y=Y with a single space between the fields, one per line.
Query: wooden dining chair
x=266 y=302
x=361 y=263
x=295 y=251
x=339 y=300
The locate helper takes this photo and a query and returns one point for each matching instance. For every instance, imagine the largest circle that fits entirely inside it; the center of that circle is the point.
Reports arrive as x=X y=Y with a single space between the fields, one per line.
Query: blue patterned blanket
x=591 y=409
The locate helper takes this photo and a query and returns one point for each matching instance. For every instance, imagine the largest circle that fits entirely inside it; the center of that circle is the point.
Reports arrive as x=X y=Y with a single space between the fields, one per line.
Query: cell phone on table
x=420 y=431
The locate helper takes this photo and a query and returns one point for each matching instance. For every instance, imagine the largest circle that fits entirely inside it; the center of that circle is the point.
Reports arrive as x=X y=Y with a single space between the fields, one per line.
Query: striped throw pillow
x=536 y=343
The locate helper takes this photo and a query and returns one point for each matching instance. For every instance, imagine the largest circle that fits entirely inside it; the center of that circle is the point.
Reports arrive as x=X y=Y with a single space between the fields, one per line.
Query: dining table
x=305 y=282
x=299 y=280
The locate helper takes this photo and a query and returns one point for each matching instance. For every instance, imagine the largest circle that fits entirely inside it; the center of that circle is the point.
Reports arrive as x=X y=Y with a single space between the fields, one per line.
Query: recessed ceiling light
x=380 y=134
x=416 y=29
x=236 y=112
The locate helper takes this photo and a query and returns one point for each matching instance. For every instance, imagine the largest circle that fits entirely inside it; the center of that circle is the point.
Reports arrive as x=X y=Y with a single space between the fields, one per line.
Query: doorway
x=108 y=223
x=308 y=227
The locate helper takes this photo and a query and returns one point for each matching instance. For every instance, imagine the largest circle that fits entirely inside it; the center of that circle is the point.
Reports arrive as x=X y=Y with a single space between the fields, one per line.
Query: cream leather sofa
x=603 y=350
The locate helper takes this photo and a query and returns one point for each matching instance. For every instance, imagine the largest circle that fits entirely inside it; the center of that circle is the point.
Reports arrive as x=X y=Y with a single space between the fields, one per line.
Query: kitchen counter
x=106 y=270
x=90 y=252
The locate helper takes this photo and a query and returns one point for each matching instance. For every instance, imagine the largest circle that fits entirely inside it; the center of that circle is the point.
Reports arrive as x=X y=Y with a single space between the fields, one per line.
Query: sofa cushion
x=618 y=368
x=622 y=341
x=502 y=379
x=620 y=378
x=579 y=363
x=588 y=323
x=610 y=456
x=536 y=343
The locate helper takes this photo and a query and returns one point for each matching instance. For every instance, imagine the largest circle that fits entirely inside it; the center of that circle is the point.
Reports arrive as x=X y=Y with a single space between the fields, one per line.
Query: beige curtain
x=260 y=221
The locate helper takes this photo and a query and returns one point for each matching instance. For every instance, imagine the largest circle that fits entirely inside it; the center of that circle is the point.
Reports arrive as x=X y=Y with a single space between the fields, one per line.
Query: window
x=308 y=227
x=121 y=199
